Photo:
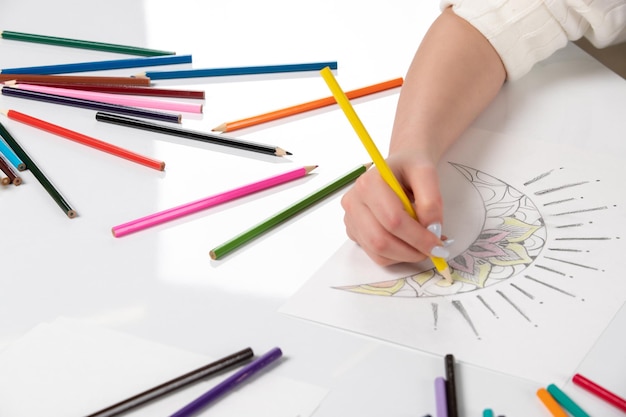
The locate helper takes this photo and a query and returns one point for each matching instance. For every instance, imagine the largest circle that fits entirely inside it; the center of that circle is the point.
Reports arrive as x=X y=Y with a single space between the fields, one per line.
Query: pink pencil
x=119 y=99
x=195 y=206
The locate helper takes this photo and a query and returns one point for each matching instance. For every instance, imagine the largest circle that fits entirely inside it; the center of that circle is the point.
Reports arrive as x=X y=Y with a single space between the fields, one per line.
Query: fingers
x=377 y=221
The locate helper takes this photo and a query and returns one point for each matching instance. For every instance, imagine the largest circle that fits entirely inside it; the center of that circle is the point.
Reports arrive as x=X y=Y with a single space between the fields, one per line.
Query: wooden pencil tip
x=220 y=128
x=71 y=214
x=281 y=152
x=310 y=168
x=447 y=275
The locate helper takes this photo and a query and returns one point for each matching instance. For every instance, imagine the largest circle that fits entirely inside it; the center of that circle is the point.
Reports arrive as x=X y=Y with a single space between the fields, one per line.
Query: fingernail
x=435 y=229
x=440 y=252
x=448 y=242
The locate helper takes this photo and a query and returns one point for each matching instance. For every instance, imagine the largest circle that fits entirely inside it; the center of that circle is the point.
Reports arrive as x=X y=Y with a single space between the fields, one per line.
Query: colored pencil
x=221 y=72
x=10 y=174
x=550 y=403
x=451 y=386
x=229 y=384
x=90 y=104
x=117 y=99
x=11 y=156
x=190 y=134
x=566 y=402
x=212 y=369
x=488 y=412
x=101 y=65
x=214 y=200
x=285 y=214
x=128 y=90
x=76 y=79
x=82 y=44
x=304 y=107
x=440 y=264
x=440 y=397
x=37 y=173
x=85 y=140
x=599 y=391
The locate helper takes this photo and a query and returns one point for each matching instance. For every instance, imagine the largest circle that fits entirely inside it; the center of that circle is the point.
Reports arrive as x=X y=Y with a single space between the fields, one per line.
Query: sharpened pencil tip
x=447 y=275
x=288 y=153
x=220 y=128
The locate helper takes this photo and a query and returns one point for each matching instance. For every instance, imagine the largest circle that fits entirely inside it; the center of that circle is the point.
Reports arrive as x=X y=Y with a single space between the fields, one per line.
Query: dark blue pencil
x=101 y=65
x=220 y=72
x=90 y=104
x=229 y=383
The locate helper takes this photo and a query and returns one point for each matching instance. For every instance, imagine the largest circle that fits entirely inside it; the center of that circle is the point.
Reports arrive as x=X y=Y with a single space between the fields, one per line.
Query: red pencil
x=599 y=391
x=85 y=140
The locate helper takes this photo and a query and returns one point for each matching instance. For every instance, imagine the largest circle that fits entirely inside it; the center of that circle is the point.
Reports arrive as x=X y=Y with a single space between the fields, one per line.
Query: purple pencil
x=229 y=383
x=90 y=104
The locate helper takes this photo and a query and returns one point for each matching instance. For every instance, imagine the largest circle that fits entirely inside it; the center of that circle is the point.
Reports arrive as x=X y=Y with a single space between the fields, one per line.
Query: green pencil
x=255 y=231
x=77 y=43
x=30 y=165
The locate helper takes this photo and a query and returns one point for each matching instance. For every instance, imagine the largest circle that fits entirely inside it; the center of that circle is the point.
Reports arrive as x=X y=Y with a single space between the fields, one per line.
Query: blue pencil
x=220 y=72
x=229 y=383
x=101 y=65
x=11 y=156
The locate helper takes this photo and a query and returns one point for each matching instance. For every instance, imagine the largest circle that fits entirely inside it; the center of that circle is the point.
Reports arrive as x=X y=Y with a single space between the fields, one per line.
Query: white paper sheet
x=73 y=368
x=539 y=237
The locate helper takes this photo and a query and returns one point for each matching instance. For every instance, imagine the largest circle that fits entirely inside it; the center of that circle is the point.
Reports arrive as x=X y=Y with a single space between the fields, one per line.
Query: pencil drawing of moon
x=510 y=234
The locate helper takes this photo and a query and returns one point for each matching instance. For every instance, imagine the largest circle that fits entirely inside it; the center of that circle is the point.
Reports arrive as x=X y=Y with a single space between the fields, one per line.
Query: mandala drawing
x=512 y=236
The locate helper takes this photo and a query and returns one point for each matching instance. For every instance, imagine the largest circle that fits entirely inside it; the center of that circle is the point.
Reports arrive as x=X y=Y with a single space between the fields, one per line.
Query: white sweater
x=524 y=32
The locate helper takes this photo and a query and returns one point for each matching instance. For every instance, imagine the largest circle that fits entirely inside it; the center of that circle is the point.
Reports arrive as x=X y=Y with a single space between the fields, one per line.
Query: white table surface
x=160 y=284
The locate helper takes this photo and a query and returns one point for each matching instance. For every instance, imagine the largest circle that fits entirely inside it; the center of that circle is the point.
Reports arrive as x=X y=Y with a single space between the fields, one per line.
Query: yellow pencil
x=376 y=156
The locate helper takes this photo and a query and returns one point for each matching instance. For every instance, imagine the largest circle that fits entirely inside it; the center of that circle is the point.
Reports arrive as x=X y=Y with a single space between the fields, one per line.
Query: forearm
x=454 y=75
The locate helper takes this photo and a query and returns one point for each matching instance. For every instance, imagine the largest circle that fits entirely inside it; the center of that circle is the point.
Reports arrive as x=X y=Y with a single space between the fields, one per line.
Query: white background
x=160 y=284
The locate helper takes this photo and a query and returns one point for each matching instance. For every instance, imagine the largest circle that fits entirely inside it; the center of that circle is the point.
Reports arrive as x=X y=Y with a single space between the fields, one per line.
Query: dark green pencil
x=78 y=43
x=297 y=207
x=32 y=167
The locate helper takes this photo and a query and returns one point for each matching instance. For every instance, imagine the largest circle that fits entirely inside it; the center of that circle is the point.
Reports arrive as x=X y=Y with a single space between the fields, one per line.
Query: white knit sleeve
x=524 y=32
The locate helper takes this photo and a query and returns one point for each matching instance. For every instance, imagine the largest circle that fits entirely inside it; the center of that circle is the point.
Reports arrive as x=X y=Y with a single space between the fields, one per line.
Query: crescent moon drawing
x=513 y=234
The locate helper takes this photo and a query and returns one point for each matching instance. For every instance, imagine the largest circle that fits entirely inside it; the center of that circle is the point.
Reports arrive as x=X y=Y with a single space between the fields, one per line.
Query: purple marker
x=229 y=383
x=440 y=397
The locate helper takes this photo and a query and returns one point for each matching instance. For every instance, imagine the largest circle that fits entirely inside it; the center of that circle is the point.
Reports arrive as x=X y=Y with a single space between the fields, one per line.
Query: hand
x=376 y=219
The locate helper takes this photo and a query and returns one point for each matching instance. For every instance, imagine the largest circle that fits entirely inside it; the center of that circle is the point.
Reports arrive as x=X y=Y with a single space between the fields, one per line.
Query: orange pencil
x=304 y=107
x=553 y=407
x=85 y=140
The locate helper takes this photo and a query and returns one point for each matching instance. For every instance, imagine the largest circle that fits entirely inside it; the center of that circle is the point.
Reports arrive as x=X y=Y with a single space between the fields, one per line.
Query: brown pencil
x=122 y=89
x=76 y=79
x=304 y=107
x=11 y=175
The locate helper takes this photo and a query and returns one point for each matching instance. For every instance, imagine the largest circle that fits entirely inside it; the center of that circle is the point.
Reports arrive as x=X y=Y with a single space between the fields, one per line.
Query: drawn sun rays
x=530 y=244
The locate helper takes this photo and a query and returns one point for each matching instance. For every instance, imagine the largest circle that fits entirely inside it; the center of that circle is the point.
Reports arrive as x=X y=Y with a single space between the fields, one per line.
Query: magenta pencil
x=119 y=99
x=211 y=201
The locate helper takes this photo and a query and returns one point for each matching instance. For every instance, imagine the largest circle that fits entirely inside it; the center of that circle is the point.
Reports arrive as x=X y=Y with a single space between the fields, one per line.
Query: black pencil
x=190 y=134
x=32 y=167
x=451 y=386
x=211 y=369
x=90 y=104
